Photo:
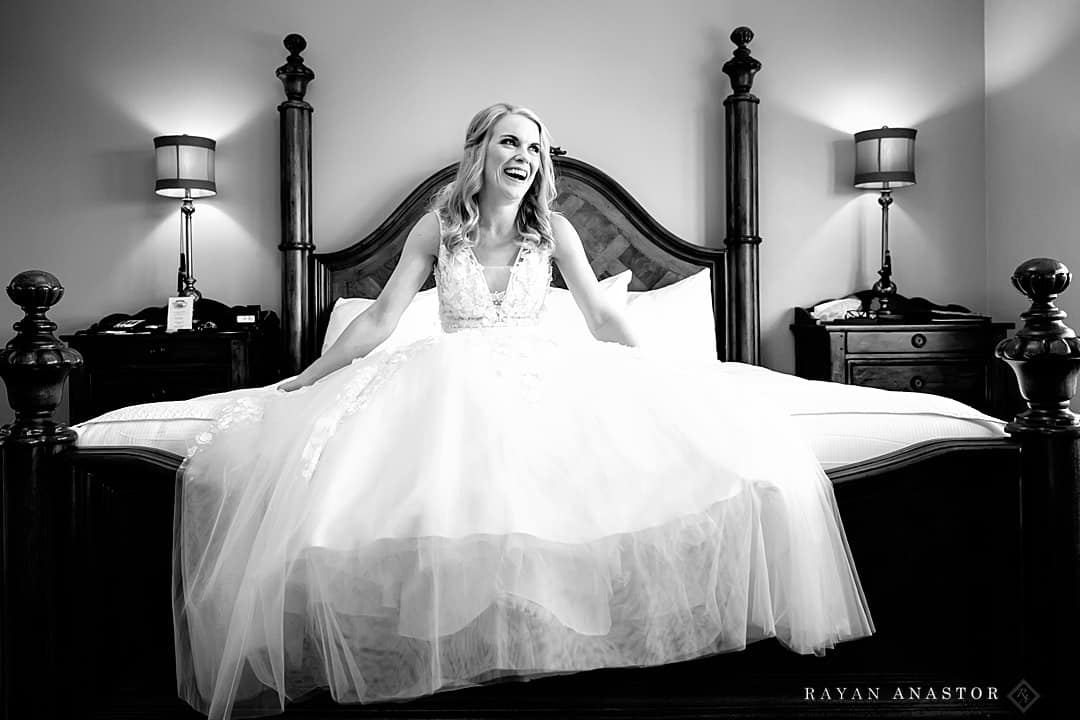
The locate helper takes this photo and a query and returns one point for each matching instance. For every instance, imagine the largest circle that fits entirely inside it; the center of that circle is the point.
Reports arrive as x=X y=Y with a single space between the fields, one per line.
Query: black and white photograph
x=484 y=359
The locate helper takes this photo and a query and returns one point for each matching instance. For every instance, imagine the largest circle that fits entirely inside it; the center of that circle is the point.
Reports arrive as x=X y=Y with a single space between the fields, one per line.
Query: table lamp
x=185 y=169
x=885 y=160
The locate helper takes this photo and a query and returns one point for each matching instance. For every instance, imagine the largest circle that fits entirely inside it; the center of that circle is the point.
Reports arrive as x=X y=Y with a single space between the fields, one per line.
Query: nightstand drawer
x=112 y=389
x=915 y=342
x=964 y=381
x=114 y=350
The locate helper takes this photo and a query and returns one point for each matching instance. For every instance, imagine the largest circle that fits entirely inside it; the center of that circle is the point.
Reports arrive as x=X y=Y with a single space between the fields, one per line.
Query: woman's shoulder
x=561 y=225
x=426 y=233
x=562 y=231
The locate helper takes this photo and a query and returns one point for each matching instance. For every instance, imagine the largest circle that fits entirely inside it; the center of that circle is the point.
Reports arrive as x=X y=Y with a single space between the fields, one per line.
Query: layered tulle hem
x=406 y=618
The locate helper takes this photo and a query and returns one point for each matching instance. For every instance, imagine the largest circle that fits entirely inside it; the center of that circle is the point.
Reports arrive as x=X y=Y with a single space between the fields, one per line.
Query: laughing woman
x=479 y=504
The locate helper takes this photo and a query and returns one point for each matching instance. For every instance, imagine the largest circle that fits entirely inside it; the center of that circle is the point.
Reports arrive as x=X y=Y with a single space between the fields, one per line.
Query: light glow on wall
x=1025 y=38
x=166 y=102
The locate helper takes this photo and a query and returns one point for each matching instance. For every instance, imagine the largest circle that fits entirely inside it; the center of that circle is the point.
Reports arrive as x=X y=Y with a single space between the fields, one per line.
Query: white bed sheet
x=844 y=424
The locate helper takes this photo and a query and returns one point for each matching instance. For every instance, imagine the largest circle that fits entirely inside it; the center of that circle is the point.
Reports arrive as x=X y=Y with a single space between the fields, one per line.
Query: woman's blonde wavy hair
x=457 y=203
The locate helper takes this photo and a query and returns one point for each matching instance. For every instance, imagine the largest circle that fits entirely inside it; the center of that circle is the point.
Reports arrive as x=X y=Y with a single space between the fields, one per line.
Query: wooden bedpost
x=34 y=366
x=1045 y=355
x=297 y=246
x=742 y=240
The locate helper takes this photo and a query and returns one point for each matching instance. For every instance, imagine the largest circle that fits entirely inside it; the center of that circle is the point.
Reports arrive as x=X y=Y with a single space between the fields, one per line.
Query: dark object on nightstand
x=129 y=359
x=954 y=359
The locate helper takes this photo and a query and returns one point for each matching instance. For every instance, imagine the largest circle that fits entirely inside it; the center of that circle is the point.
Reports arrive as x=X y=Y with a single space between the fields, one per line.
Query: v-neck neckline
x=492 y=294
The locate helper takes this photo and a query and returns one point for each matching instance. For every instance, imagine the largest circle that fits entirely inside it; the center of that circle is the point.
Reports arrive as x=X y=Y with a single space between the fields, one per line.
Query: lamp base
x=885 y=291
x=885 y=298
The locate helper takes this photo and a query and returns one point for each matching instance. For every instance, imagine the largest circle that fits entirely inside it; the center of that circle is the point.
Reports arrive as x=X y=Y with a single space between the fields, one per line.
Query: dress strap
x=442 y=239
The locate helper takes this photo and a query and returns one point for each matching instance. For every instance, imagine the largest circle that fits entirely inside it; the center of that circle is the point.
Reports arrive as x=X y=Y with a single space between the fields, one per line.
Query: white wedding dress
x=494 y=502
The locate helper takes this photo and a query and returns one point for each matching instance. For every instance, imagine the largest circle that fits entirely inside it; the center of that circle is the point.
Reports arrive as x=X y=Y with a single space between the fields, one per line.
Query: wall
x=632 y=87
x=1033 y=143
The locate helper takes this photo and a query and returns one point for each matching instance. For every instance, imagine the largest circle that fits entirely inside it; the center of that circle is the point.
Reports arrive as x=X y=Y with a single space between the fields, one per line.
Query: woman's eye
x=509 y=141
x=535 y=149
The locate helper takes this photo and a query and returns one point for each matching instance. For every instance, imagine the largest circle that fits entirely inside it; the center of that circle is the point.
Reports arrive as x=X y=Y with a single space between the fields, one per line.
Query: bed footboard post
x=297 y=247
x=34 y=366
x=1045 y=355
x=742 y=240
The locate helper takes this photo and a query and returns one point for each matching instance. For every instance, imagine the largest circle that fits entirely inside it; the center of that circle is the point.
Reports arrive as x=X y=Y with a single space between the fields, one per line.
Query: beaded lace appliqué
x=365 y=382
x=241 y=412
x=466 y=301
x=368 y=375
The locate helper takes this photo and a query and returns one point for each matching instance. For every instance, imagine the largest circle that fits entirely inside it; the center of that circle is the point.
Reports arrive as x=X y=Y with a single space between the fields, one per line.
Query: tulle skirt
x=490 y=503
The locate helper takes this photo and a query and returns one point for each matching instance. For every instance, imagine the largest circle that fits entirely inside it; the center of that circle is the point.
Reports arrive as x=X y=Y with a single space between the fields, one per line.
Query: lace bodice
x=466 y=300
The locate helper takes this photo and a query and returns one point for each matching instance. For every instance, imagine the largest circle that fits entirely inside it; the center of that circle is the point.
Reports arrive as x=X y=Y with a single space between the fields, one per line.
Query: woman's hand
x=292 y=384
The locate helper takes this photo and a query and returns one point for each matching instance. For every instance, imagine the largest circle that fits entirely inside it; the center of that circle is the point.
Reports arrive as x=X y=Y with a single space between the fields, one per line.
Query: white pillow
x=420 y=320
x=676 y=320
x=561 y=316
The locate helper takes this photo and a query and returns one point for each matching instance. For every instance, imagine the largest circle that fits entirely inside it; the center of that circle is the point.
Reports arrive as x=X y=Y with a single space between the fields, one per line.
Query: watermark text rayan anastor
x=861 y=693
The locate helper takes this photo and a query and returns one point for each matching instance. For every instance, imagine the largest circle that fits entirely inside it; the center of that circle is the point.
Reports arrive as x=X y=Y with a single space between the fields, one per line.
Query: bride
x=494 y=501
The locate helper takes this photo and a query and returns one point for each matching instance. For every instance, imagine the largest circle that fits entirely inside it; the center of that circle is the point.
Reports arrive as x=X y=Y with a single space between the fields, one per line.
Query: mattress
x=843 y=424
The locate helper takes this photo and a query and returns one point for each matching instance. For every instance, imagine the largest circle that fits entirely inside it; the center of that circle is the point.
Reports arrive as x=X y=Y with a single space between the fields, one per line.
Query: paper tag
x=181 y=314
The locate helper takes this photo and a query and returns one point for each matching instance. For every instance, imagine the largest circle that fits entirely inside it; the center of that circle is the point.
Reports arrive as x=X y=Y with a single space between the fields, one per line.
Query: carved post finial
x=35 y=364
x=1045 y=353
x=742 y=66
x=742 y=36
x=294 y=74
x=295 y=44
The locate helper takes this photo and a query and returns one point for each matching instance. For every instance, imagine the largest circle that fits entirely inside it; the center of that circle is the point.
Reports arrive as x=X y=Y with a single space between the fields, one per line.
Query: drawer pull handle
x=917 y=383
x=918 y=340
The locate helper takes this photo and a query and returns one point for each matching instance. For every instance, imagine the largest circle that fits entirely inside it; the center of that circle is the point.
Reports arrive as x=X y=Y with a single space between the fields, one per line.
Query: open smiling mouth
x=516 y=173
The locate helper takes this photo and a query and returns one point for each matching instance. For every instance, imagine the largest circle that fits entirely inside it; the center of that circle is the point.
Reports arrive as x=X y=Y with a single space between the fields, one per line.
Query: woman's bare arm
x=375 y=324
x=605 y=321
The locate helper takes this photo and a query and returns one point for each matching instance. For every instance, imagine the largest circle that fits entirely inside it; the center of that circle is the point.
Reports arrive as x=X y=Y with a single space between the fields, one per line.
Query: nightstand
x=954 y=359
x=130 y=368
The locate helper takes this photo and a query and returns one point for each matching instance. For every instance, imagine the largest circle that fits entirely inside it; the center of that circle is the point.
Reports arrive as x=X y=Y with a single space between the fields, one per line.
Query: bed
x=972 y=541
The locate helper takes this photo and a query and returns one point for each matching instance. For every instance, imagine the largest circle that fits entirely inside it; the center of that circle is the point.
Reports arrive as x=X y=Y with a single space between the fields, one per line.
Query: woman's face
x=513 y=156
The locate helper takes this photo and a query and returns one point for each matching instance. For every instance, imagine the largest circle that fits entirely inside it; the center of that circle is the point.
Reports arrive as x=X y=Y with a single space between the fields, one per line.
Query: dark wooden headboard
x=617 y=232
